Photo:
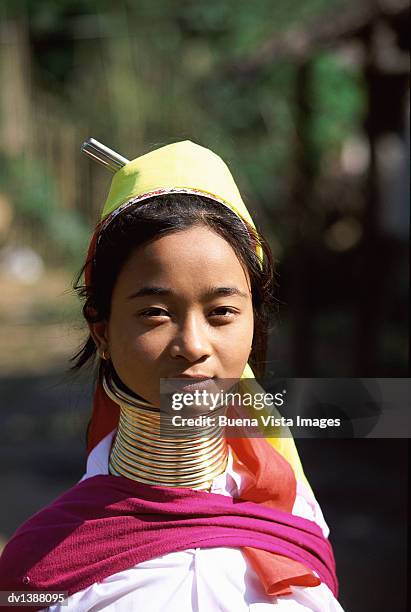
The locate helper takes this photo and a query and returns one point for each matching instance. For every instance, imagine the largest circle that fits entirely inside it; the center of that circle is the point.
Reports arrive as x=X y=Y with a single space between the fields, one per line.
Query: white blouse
x=198 y=579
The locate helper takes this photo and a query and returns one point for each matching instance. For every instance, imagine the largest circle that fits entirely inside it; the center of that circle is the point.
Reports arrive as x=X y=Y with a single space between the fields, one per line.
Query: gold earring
x=105 y=355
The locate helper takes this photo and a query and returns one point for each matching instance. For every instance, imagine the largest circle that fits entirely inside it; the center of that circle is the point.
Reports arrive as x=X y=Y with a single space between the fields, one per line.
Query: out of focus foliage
x=35 y=194
x=139 y=74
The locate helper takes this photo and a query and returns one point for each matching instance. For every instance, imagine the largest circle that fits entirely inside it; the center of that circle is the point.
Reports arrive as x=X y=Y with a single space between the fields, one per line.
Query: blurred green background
x=307 y=102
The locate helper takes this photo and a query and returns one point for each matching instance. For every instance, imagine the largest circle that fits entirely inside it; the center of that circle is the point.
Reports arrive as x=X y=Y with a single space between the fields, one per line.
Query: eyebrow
x=212 y=292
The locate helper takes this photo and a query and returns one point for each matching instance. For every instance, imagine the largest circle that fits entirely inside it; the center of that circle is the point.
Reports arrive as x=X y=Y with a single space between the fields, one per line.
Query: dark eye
x=223 y=313
x=154 y=312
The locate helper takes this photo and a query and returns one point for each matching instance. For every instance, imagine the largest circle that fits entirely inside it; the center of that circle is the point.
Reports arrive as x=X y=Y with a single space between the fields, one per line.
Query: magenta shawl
x=107 y=524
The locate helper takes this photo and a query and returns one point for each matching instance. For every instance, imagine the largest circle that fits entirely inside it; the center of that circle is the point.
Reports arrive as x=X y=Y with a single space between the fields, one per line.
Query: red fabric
x=272 y=478
x=273 y=487
x=278 y=573
x=104 y=418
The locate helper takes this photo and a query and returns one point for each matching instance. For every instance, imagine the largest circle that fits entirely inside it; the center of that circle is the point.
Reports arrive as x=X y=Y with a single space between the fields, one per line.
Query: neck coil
x=143 y=452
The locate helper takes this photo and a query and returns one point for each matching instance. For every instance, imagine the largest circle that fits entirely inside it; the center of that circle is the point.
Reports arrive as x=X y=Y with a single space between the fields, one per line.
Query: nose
x=192 y=341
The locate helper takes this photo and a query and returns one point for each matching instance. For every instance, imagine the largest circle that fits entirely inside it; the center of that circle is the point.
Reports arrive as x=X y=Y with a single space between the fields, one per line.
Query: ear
x=99 y=333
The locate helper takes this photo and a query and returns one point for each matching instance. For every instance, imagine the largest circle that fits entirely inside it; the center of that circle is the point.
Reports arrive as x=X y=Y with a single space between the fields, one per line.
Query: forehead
x=197 y=255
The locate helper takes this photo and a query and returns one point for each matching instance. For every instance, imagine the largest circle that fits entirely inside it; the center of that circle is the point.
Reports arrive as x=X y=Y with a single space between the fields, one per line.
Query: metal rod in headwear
x=102 y=154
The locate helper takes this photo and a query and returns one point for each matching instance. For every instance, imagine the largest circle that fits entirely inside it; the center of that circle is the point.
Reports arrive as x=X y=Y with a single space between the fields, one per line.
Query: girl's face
x=181 y=305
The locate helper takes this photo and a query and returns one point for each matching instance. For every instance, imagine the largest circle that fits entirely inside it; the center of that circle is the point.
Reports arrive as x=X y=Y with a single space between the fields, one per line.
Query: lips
x=189 y=383
x=194 y=376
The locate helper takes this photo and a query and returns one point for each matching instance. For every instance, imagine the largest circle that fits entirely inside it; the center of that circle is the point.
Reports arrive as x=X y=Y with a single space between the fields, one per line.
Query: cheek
x=130 y=344
x=235 y=344
x=245 y=340
x=149 y=346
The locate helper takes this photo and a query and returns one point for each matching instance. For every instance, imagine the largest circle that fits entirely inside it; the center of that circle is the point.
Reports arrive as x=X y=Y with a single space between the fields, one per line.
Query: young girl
x=178 y=285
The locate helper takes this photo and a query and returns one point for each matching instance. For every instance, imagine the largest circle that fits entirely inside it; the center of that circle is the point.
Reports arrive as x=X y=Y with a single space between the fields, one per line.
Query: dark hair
x=165 y=214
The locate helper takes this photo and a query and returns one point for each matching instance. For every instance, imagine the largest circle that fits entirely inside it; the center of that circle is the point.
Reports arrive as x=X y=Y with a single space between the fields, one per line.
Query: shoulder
x=36 y=544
